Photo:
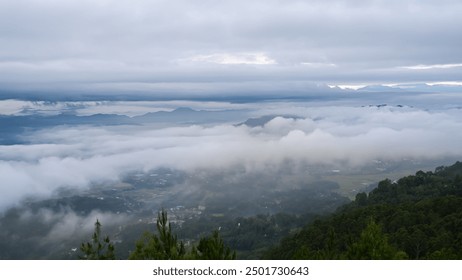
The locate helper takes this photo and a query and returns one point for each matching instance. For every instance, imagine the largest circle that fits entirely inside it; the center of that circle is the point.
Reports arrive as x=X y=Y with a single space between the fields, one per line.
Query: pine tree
x=165 y=246
x=213 y=248
x=98 y=249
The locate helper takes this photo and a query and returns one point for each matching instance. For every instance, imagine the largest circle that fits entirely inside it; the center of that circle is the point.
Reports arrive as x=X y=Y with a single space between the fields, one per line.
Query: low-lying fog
x=256 y=137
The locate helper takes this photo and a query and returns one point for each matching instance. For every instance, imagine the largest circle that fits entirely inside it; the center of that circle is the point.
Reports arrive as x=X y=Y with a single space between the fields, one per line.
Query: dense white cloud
x=75 y=157
x=434 y=66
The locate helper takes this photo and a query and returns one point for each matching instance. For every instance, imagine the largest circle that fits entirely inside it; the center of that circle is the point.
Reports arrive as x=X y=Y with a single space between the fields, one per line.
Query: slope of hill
x=415 y=217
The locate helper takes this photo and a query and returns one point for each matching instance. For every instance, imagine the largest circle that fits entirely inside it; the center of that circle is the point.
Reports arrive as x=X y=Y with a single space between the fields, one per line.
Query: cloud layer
x=341 y=136
x=183 y=46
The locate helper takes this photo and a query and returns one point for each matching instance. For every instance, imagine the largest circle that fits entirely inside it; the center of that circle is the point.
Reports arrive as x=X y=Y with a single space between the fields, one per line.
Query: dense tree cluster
x=161 y=246
x=415 y=217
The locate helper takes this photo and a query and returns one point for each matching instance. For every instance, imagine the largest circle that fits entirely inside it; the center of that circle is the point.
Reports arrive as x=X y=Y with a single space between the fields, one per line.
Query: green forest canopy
x=415 y=217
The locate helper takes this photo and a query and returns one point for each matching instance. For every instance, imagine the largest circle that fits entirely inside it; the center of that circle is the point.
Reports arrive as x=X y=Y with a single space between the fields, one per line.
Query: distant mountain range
x=261 y=121
x=185 y=115
x=318 y=91
x=12 y=126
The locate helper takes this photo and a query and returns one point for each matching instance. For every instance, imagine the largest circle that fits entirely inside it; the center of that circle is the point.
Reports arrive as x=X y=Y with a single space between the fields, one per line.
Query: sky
x=194 y=48
x=182 y=49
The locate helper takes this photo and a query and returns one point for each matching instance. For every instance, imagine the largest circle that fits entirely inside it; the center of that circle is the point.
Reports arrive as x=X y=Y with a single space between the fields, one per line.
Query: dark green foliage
x=249 y=236
x=212 y=248
x=373 y=245
x=165 y=245
x=97 y=249
x=417 y=217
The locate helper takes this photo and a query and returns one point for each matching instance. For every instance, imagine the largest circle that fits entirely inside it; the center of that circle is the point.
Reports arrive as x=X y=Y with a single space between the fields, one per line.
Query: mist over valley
x=212 y=165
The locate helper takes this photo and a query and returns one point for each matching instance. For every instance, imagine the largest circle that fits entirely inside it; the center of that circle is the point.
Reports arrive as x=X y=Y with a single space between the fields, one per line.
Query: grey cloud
x=87 y=42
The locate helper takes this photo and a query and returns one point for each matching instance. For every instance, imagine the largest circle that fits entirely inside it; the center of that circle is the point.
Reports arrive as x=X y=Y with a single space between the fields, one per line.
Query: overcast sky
x=207 y=46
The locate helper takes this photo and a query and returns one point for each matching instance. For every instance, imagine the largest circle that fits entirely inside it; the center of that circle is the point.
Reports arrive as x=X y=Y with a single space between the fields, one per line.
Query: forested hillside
x=415 y=217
